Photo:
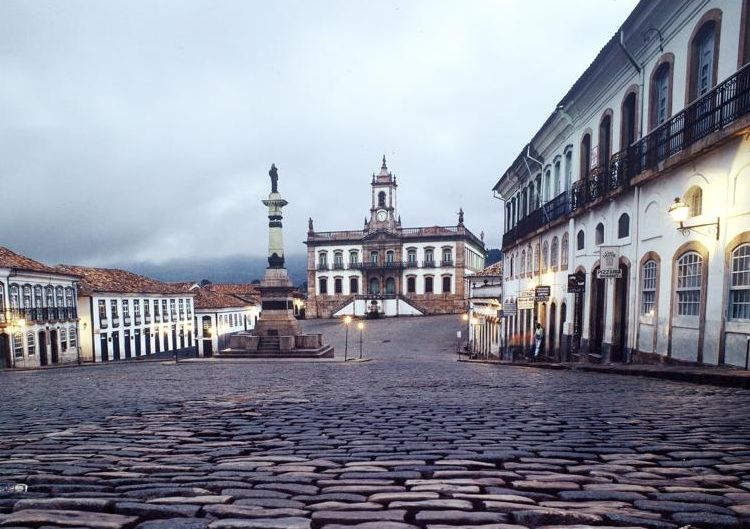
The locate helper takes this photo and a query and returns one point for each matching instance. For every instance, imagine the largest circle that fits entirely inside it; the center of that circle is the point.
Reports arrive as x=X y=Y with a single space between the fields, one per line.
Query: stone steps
x=323 y=352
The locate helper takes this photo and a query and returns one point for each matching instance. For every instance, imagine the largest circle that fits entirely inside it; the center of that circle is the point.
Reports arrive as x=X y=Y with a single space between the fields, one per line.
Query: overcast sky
x=144 y=130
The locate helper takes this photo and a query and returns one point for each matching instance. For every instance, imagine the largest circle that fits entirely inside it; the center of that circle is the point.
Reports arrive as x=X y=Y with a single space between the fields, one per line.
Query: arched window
x=390 y=286
x=338 y=260
x=27 y=296
x=564 y=249
x=629 y=120
x=648 y=287
x=694 y=200
x=580 y=240
x=661 y=91
x=390 y=256
x=323 y=286
x=353 y=285
x=411 y=284
x=523 y=262
x=739 y=289
x=536 y=259
x=338 y=286
x=703 y=55
x=585 y=156
x=623 y=226
x=69 y=297
x=64 y=340
x=556 y=179
x=446 y=284
x=73 y=337
x=554 y=253
x=2 y=300
x=599 y=234
x=374 y=256
x=381 y=199
x=411 y=255
x=545 y=256
x=547 y=186
x=49 y=296
x=18 y=344
x=689 y=282
x=353 y=257
x=429 y=256
x=38 y=297
x=14 y=297
x=428 y=286
x=605 y=140
x=31 y=343
x=447 y=256
x=323 y=260
x=374 y=286
x=60 y=296
x=510 y=266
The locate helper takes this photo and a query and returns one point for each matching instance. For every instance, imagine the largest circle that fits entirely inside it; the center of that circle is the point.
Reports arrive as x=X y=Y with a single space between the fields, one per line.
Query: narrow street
x=412 y=438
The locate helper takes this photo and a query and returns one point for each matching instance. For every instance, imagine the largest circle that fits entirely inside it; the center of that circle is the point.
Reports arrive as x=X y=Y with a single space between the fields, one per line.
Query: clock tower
x=383 y=209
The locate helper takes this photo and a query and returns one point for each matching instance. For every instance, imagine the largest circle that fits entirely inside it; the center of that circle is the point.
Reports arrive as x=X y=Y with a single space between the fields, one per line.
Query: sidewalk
x=716 y=376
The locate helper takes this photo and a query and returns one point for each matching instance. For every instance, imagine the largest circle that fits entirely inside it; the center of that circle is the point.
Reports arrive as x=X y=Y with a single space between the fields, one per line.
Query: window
x=412 y=255
x=585 y=155
x=102 y=310
x=428 y=285
x=447 y=255
x=536 y=259
x=564 y=252
x=545 y=256
x=18 y=344
x=64 y=340
x=389 y=256
x=27 y=296
x=661 y=92
x=580 y=240
x=73 y=335
x=523 y=262
x=629 y=120
x=390 y=286
x=739 y=290
x=568 y=170
x=172 y=311
x=323 y=286
x=689 y=279
x=446 y=284
x=60 y=296
x=694 y=200
x=648 y=288
x=605 y=140
x=338 y=260
x=338 y=286
x=353 y=285
x=381 y=199
x=38 y=297
x=374 y=257
x=599 y=234
x=31 y=343
x=547 y=185
x=147 y=308
x=69 y=297
x=556 y=179
x=125 y=308
x=411 y=284
x=374 y=286
x=623 y=226
x=137 y=307
x=156 y=307
x=164 y=311
x=353 y=257
x=703 y=57
x=2 y=298
x=14 y=297
x=113 y=308
x=323 y=260
x=554 y=253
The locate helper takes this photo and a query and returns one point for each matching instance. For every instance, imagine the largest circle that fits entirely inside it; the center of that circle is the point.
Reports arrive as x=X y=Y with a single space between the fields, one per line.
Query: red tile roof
x=242 y=291
x=207 y=299
x=493 y=270
x=114 y=280
x=10 y=259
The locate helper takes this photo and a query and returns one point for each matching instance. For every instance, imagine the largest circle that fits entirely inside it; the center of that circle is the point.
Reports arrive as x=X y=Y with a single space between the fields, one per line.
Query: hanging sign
x=509 y=308
x=576 y=283
x=609 y=263
x=542 y=293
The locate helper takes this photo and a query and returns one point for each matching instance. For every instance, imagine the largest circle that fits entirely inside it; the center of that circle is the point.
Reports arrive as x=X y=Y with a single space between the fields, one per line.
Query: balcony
x=338 y=266
x=355 y=265
x=428 y=263
x=322 y=267
x=549 y=212
x=380 y=265
x=411 y=264
x=446 y=262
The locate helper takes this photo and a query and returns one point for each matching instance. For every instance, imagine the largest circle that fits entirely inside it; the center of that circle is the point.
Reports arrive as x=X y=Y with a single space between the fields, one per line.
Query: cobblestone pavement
x=411 y=439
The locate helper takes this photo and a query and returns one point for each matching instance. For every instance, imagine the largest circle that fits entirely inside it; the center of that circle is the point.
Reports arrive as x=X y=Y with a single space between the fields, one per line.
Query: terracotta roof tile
x=207 y=299
x=114 y=280
x=493 y=270
x=10 y=259
x=242 y=291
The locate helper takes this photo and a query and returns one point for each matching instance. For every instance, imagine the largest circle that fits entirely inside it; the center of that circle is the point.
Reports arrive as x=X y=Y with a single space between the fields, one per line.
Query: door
x=597 y=313
x=43 y=359
x=104 y=347
x=552 y=349
x=5 y=361
x=128 y=345
x=561 y=336
x=54 y=347
x=116 y=345
x=208 y=349
x=157 y=341
x=620 y=313
x=174 y=337
x=137 y=342
x=147 y=336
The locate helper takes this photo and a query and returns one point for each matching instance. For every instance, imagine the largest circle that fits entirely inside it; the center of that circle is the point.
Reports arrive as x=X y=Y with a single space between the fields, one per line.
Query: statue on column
x=273 y=173
x=461 y=216
x=310 y=224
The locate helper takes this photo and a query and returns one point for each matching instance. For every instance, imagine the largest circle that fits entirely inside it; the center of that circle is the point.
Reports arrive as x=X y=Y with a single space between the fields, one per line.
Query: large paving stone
x=37 y=517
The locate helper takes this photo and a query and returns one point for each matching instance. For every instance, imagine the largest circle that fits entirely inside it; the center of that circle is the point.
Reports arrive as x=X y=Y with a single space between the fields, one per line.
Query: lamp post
x=679 y=212
x=467 y=318
x=347 y=322
x=361 y=327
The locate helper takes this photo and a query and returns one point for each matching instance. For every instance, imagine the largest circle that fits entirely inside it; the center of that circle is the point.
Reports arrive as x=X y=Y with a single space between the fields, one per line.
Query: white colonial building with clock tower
x=387 y=270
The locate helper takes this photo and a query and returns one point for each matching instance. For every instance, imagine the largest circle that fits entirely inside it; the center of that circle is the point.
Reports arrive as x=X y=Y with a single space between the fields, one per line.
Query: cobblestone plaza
x=410 y=439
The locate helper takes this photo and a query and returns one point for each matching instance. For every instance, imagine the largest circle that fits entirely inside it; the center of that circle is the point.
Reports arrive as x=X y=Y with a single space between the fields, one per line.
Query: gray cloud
x=143 y=130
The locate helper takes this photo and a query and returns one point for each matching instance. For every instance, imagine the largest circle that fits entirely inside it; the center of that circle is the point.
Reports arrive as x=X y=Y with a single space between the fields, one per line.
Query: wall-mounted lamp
x=679 y=212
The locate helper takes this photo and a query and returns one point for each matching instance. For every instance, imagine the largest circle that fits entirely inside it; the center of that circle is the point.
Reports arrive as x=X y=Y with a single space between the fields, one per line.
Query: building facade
x=125 y=315
x=485 y=322
x=630 y=206
x=387 y=270
x=38 y=313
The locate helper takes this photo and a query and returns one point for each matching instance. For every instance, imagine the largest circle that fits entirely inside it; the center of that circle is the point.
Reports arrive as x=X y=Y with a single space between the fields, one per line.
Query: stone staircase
x=269 y=347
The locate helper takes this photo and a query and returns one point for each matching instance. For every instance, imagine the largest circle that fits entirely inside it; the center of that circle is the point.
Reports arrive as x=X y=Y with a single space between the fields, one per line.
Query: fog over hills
x=231 y=269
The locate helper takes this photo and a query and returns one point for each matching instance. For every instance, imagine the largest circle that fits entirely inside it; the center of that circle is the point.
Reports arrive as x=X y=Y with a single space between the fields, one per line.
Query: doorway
x=5 y=361
x=597 y=313
x=104 y=347
x=147 y=337
x=54 y=347
x=561 y=335
x=208 y=348
x=116 y=345
x=43 y=359
x=620 y=316
x=552 y=349
x=127 y=344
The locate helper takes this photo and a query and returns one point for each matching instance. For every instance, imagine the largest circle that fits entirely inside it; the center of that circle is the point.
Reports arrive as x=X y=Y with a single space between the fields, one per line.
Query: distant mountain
x=494 y=255
x=231 y=269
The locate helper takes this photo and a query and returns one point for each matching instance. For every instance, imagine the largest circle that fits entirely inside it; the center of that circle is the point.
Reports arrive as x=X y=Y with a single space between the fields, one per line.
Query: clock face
x=382 y=215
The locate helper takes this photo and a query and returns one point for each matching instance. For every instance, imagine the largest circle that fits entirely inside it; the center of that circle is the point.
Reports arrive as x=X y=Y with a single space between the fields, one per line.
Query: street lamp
x=347 y=322
x=679 y=212
x=361 y=327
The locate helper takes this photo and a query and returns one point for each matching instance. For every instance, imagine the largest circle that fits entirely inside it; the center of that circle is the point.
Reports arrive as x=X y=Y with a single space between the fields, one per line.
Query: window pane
x=739 y=304
x=688 y=302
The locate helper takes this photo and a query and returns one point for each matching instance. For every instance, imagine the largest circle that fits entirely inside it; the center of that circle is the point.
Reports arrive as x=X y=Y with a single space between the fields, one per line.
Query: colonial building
x=124 y=315
x=485 y=309
x=388 y=270
x=630 y=206
x=38 y=313
x=222 y=310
